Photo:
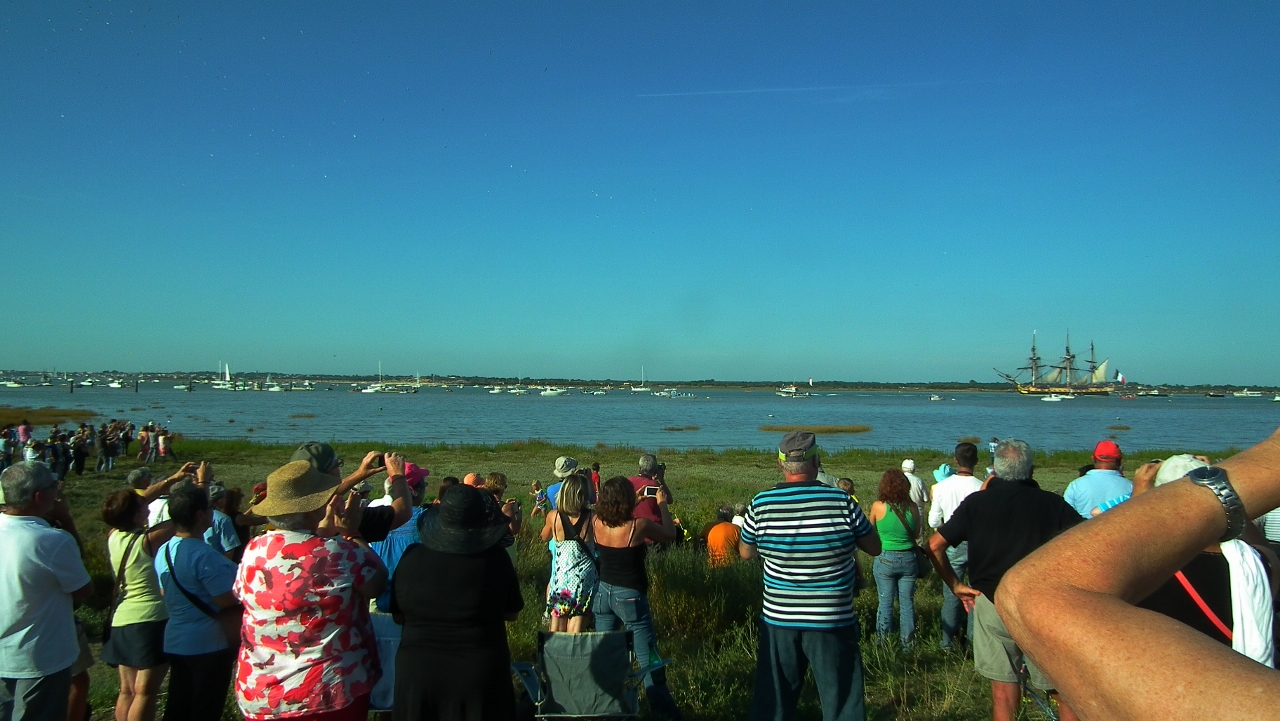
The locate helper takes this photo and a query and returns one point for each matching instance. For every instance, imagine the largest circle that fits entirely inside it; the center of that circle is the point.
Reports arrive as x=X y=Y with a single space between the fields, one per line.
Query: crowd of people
x=68 y=450
x=315 y=602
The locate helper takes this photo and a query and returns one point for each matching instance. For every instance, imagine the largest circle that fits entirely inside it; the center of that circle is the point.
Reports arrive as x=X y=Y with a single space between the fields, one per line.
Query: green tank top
x=893 y=535
x=141 y=600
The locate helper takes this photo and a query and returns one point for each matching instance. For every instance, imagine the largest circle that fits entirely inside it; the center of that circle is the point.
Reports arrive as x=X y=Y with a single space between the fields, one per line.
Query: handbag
x=229 y=619
x=923 y=565
x=118 y=589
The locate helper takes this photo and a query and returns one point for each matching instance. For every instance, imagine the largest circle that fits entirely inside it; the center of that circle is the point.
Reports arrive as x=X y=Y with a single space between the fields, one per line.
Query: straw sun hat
x=295 y=487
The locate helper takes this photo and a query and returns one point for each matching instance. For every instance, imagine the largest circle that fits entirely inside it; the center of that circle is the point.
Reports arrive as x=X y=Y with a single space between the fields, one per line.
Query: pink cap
x=414 y=475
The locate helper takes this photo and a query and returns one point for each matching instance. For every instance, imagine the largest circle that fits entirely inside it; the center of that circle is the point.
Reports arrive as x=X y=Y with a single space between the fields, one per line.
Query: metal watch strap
x=1230 y=501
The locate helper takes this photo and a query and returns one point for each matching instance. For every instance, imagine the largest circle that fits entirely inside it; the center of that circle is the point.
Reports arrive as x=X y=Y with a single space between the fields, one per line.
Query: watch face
x=1207 y=473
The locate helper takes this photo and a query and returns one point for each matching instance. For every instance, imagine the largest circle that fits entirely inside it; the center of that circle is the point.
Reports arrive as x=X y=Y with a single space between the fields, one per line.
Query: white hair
x=1013 y=460
x=22 y=481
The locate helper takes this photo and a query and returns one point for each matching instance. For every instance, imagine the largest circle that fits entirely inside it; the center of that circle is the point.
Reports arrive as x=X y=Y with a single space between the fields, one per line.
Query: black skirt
x=137 y=645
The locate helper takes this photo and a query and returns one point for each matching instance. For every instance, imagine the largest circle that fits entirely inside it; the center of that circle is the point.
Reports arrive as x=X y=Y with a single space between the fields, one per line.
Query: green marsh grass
x=705 y=618
x=46 y=416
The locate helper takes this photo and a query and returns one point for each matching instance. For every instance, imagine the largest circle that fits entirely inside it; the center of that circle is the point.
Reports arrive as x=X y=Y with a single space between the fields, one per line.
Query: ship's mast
x=1068 y=364
x=1033 y=362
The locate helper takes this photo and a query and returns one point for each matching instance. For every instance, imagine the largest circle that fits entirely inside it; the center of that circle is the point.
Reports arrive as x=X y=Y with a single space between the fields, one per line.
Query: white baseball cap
x=908 y=466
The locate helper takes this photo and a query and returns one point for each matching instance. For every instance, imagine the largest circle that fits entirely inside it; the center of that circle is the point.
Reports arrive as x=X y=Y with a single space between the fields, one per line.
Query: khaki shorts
x=995 y=655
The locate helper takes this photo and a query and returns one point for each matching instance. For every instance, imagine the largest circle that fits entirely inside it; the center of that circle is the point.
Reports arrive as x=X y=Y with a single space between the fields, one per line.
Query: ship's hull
x=1030 y=390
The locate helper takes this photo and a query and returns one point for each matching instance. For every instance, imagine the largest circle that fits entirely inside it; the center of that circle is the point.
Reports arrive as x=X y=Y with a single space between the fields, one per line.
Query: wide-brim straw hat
x=295 y=487
x=464 y=522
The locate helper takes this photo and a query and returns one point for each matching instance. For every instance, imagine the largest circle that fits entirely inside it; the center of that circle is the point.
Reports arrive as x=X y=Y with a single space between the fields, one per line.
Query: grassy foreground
x=704 y=618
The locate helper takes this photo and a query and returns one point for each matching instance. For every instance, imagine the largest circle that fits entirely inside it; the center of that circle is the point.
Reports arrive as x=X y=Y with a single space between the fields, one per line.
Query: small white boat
x=1246 y=393
x=518 y=392
x=12 y=384
x=181 y=387
x=683 y=394
x=1276 y=399
x=90 y=382
x=662 y=394
x=935 y=397
x=552 y=391
x=115 y=384
x=1052 y=398
x=496 y=389
x=598 y=393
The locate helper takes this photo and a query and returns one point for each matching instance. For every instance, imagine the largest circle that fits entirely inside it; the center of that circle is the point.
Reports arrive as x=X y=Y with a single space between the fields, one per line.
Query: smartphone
x=649 y=492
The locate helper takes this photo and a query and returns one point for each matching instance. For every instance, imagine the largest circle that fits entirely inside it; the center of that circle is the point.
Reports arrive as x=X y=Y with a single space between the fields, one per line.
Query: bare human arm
x=155 y=490
x=1069 y=605
x=664 y=533
x=365 y=471
x=936 y=548
x=548 y=527
x=401 y=500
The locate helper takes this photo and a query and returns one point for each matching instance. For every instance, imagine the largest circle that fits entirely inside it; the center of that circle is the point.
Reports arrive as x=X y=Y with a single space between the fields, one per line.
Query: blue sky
x=877 y=191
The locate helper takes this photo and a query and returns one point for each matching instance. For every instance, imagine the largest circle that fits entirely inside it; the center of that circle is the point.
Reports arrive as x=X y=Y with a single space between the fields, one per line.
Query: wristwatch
x=1215 y=479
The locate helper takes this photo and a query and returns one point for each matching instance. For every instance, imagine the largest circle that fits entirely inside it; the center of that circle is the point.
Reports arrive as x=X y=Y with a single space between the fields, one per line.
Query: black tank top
x=624 y=566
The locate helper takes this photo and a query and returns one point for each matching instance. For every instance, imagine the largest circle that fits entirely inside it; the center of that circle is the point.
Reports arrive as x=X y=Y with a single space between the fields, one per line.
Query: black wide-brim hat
x=465 y=522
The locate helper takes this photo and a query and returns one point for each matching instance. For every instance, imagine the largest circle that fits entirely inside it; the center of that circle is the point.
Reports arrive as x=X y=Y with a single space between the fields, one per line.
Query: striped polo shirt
x=805 y=532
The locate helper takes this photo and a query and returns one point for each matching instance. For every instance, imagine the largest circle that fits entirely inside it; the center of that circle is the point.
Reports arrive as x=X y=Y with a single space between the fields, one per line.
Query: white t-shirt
x=39 y=570
x=919 y=492
x=947 y=495
x=158 y=511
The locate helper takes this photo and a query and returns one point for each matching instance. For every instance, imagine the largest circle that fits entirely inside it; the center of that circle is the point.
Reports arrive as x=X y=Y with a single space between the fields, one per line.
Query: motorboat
x=1246 y=393
x=936 y=397
x=552 y=391
x=182 y=387
x=518 y=392
x=115 y=384
x=1276 y=399
x=1052 y=398
x=12 y=384
x=683 y=394
x=496 y=389
x=792 y=392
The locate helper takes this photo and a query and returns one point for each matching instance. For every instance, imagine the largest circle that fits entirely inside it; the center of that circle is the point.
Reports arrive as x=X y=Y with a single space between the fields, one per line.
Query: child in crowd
x=540 y=506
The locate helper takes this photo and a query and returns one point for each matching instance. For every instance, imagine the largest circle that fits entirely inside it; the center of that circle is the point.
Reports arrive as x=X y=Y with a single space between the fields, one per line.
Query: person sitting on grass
x=721 y=538
x=1003 y=524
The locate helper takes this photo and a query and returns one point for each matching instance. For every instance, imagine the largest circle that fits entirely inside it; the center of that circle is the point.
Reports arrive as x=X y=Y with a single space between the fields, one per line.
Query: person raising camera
x=652 y=477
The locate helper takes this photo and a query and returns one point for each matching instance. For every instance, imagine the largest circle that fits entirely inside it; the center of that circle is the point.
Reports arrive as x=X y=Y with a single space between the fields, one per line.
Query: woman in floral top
x=309 y=650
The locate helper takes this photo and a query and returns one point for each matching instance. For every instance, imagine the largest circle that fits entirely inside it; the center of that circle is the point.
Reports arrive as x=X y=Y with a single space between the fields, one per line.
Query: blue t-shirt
x=393 y=548
x=553 y=491
x=205 y=573
x=1095 y=488
x=222 y=536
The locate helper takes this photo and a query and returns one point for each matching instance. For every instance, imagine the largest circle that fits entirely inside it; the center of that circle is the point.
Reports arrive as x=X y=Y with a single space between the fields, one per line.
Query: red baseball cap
x=1107 y=451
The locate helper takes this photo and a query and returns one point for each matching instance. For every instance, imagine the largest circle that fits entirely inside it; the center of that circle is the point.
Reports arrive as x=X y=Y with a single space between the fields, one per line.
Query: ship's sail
x=1099 y=375
x=1053 y=376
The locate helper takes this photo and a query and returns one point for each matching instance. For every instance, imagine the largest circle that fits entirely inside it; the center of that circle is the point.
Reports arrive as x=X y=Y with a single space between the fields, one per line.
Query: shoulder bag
x=229 y=619
x=923 y=565
x=117 y=591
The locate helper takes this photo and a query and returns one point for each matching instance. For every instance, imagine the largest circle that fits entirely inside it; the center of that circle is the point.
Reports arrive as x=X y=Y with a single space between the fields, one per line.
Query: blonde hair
x=496 y=483
x=573 y=497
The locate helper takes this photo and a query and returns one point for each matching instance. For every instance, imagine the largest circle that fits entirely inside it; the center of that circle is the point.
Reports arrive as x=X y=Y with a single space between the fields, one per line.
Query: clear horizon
x=852 y=190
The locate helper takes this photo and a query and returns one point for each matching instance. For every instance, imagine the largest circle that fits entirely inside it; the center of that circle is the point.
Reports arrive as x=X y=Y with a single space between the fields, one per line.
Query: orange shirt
x=722 y=544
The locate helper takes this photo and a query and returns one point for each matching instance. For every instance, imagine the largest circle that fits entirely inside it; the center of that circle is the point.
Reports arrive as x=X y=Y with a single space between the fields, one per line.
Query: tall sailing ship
x=1061 y=379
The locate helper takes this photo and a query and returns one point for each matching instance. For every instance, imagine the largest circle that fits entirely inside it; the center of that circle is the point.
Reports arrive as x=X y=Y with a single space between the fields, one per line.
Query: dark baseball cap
x=321 y=456
x=798 y=446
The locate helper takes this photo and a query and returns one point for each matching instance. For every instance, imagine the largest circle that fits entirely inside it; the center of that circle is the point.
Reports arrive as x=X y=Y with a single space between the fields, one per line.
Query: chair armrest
x=528 y=675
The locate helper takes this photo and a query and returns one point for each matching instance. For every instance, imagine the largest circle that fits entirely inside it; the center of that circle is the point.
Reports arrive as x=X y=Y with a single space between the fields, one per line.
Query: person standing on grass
x=1101 y=484
x=919 y=491
x=948 y=494
x=651 y=475
x=807 y=533
x=573 y=584
x=896 y=520
x=1002 y=524
x=41 y=576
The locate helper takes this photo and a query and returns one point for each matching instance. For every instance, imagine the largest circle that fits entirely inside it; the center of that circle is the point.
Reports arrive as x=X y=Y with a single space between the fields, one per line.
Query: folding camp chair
x=584 y=675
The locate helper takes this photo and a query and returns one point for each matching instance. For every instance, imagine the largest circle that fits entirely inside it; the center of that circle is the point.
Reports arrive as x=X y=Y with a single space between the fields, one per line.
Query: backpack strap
x=1204 y=607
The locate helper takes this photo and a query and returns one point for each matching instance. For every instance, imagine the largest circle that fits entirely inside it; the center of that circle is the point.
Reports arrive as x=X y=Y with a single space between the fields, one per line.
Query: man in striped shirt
x=807 y=534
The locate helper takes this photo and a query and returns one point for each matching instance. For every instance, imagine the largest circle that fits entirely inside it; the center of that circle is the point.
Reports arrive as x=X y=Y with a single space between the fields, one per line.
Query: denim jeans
x=895 y=573
x=953 y=613
x=617 y=604
x=781 y=662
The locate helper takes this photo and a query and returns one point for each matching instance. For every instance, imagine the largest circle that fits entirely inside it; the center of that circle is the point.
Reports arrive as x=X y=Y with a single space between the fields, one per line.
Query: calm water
x=725 y=419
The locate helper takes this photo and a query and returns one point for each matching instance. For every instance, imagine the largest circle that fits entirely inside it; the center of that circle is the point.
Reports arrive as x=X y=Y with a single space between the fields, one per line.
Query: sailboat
x=225 y=383
x=375 y=387
x=1064 y=379
x=642 y=388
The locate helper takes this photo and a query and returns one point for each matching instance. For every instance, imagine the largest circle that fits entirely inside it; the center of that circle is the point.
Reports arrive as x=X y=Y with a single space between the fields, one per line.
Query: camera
x=379 y=462
x=649 y=492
